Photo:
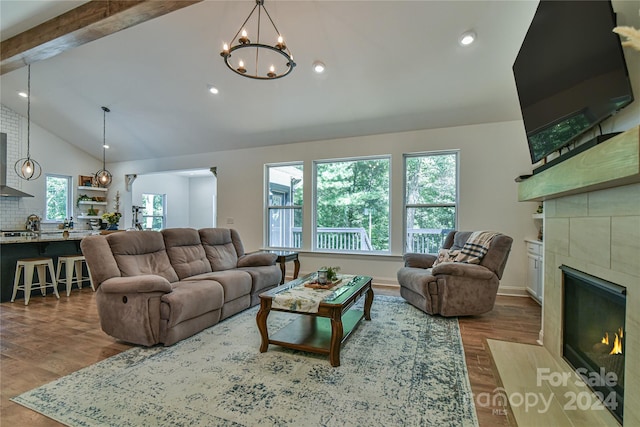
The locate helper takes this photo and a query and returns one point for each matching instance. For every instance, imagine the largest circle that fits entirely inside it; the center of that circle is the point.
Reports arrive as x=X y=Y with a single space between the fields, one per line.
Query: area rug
x=402 y=368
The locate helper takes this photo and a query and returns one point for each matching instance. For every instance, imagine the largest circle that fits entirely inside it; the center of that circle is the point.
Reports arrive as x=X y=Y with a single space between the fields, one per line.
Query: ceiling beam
x=85 y=23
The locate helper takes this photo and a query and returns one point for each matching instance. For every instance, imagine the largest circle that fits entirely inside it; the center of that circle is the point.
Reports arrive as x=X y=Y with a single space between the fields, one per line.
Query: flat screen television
x=570 y=73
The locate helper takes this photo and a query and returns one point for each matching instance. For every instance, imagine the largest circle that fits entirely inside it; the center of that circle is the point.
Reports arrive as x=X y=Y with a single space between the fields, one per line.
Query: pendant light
x=103 y=176
x=28 y=168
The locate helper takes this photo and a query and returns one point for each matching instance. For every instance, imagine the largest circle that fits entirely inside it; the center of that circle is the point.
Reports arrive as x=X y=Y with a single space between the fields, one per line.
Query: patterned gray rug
x=403 y=368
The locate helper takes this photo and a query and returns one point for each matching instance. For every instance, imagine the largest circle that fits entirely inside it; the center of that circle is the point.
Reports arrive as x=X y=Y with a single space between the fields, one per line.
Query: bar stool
x=73 y=267
x=41 y=265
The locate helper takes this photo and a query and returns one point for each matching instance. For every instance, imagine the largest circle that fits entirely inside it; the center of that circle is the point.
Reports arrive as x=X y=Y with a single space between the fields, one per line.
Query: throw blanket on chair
x=476 y=247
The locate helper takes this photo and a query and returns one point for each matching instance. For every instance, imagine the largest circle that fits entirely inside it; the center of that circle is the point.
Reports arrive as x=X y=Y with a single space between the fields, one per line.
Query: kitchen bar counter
x=49 y=236
x=50 y=244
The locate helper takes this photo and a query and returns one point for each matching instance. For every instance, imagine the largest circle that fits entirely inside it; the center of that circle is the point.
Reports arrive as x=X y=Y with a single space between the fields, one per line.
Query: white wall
x=176 y=189
x=202 y=203
x=491 y=156
x=190 y=200
x=54 y=155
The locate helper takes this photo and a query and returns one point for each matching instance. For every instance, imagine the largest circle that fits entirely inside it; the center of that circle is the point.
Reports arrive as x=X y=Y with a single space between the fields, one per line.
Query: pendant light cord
x=28 y=111
x=104 y=137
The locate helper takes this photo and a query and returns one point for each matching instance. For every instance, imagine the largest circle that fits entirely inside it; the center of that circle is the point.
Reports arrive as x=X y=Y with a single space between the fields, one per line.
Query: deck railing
x=337 y=238
x=421 y=240
x=426 y=240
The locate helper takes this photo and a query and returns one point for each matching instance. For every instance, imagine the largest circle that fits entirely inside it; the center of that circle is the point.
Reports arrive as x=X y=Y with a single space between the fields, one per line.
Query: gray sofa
x=161 y=287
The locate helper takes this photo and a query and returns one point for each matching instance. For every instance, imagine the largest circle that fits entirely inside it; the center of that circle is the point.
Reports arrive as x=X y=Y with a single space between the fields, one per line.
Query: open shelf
x=91 y=202
x=93 y=188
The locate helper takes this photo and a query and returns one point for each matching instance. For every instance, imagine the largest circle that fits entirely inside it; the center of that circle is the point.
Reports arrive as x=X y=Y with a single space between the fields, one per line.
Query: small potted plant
x=112 y=218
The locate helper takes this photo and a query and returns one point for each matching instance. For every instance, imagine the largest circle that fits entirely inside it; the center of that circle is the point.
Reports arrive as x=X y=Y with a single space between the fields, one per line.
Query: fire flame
x=617 y=341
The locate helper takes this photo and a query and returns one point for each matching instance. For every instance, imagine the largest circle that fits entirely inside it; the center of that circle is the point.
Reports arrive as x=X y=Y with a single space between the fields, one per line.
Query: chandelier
x=278 y=58
x=103 y=176
x=27 y=167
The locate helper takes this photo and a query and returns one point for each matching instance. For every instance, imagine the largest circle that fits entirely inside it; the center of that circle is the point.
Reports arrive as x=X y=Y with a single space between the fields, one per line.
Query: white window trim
x=266 y=219
x=70 y=198
x=405 y=156
x=314 y=218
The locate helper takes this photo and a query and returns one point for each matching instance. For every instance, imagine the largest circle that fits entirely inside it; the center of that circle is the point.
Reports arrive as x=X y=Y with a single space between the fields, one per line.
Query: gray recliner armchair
x=455 y=288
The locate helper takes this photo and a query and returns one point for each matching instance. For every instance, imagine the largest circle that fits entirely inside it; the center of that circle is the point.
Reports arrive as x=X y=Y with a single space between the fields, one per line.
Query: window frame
x=268 y=207
x=406 y=206
x=70 y=205
x=164 y=211
x=314 y=216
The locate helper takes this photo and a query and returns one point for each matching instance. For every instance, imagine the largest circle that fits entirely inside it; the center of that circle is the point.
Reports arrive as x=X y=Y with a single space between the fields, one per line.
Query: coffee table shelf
x=323 y=331
x=313 y=334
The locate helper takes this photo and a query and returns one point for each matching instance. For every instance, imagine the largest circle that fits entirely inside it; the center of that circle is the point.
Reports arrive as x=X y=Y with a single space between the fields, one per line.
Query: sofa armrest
x=257 y=259
x=418 y=260
x=463 y=269
x=139 y=284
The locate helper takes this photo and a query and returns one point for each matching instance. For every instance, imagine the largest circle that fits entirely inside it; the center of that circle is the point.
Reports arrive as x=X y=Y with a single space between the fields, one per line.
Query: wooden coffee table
x=323 y=331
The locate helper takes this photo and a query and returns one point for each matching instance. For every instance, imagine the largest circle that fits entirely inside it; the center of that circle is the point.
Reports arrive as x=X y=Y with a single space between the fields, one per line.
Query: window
x=154 y=207
x=58 y=199
x=431 y=199
x=352 y=205
x=284 y=205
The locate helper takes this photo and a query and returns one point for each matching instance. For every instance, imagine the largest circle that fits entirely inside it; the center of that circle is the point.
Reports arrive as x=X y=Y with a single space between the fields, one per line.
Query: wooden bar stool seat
x=40 y=264
x=73 y=271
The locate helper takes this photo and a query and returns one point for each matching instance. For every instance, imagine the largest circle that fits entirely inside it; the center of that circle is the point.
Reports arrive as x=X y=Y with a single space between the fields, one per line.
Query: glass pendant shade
x=28 y=168
x=103 y=177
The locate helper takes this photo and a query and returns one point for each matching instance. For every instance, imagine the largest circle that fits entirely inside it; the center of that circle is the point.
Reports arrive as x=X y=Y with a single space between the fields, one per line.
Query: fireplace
x=593 y=334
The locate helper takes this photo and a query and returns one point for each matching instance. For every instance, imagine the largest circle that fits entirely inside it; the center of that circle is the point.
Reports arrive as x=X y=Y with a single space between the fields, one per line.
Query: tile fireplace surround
x=592 y=223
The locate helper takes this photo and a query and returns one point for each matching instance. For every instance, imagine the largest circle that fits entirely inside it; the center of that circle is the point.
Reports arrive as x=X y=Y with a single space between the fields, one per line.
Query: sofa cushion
x=236 y=283
x=185 y=252
x=263 y=278
x=219 y=248
x=189 y=299
x=141 y=252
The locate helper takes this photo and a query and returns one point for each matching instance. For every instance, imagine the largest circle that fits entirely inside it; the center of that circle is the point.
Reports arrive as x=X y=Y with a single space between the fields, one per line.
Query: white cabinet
x=83 y=206
x=535 y=271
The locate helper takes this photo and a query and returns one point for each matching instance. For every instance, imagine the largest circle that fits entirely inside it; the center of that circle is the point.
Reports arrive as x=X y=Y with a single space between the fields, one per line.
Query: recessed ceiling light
x=23 y=94
x=318 y=67
x=213 y=90
x=467 y=38
x=105 y=146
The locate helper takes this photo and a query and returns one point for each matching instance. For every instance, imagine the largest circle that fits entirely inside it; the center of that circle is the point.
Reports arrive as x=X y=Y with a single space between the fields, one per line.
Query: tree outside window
x=431 y=199
x=58 y=197
x=284 y=205
x=154 y=211
x=352 y=205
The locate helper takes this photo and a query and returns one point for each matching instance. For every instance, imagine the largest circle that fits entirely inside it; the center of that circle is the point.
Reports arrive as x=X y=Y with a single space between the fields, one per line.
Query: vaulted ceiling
x=391 y=66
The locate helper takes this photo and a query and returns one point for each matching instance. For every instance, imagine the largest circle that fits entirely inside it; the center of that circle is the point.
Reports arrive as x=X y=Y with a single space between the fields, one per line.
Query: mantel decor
x=249 y=60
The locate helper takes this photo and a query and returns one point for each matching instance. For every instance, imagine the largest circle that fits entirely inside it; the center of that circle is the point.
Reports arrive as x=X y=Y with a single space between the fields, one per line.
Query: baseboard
x=512 y=291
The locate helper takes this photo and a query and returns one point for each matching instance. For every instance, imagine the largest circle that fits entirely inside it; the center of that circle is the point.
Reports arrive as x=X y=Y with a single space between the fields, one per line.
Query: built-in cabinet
x=535 y=271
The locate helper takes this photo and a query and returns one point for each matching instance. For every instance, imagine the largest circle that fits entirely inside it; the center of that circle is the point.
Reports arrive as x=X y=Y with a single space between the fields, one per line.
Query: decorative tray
x=315 y=285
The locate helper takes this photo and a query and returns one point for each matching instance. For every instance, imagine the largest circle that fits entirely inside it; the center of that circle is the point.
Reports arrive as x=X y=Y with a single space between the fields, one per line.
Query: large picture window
x=352 y=205
x=58 y=198
x=431 y=199
x=284 y=205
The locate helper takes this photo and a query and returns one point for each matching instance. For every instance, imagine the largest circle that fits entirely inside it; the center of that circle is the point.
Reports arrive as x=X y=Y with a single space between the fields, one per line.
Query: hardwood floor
x=51 y=338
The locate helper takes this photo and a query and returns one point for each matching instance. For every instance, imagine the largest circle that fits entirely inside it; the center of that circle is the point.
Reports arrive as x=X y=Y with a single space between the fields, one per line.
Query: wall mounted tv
x=570 y=73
